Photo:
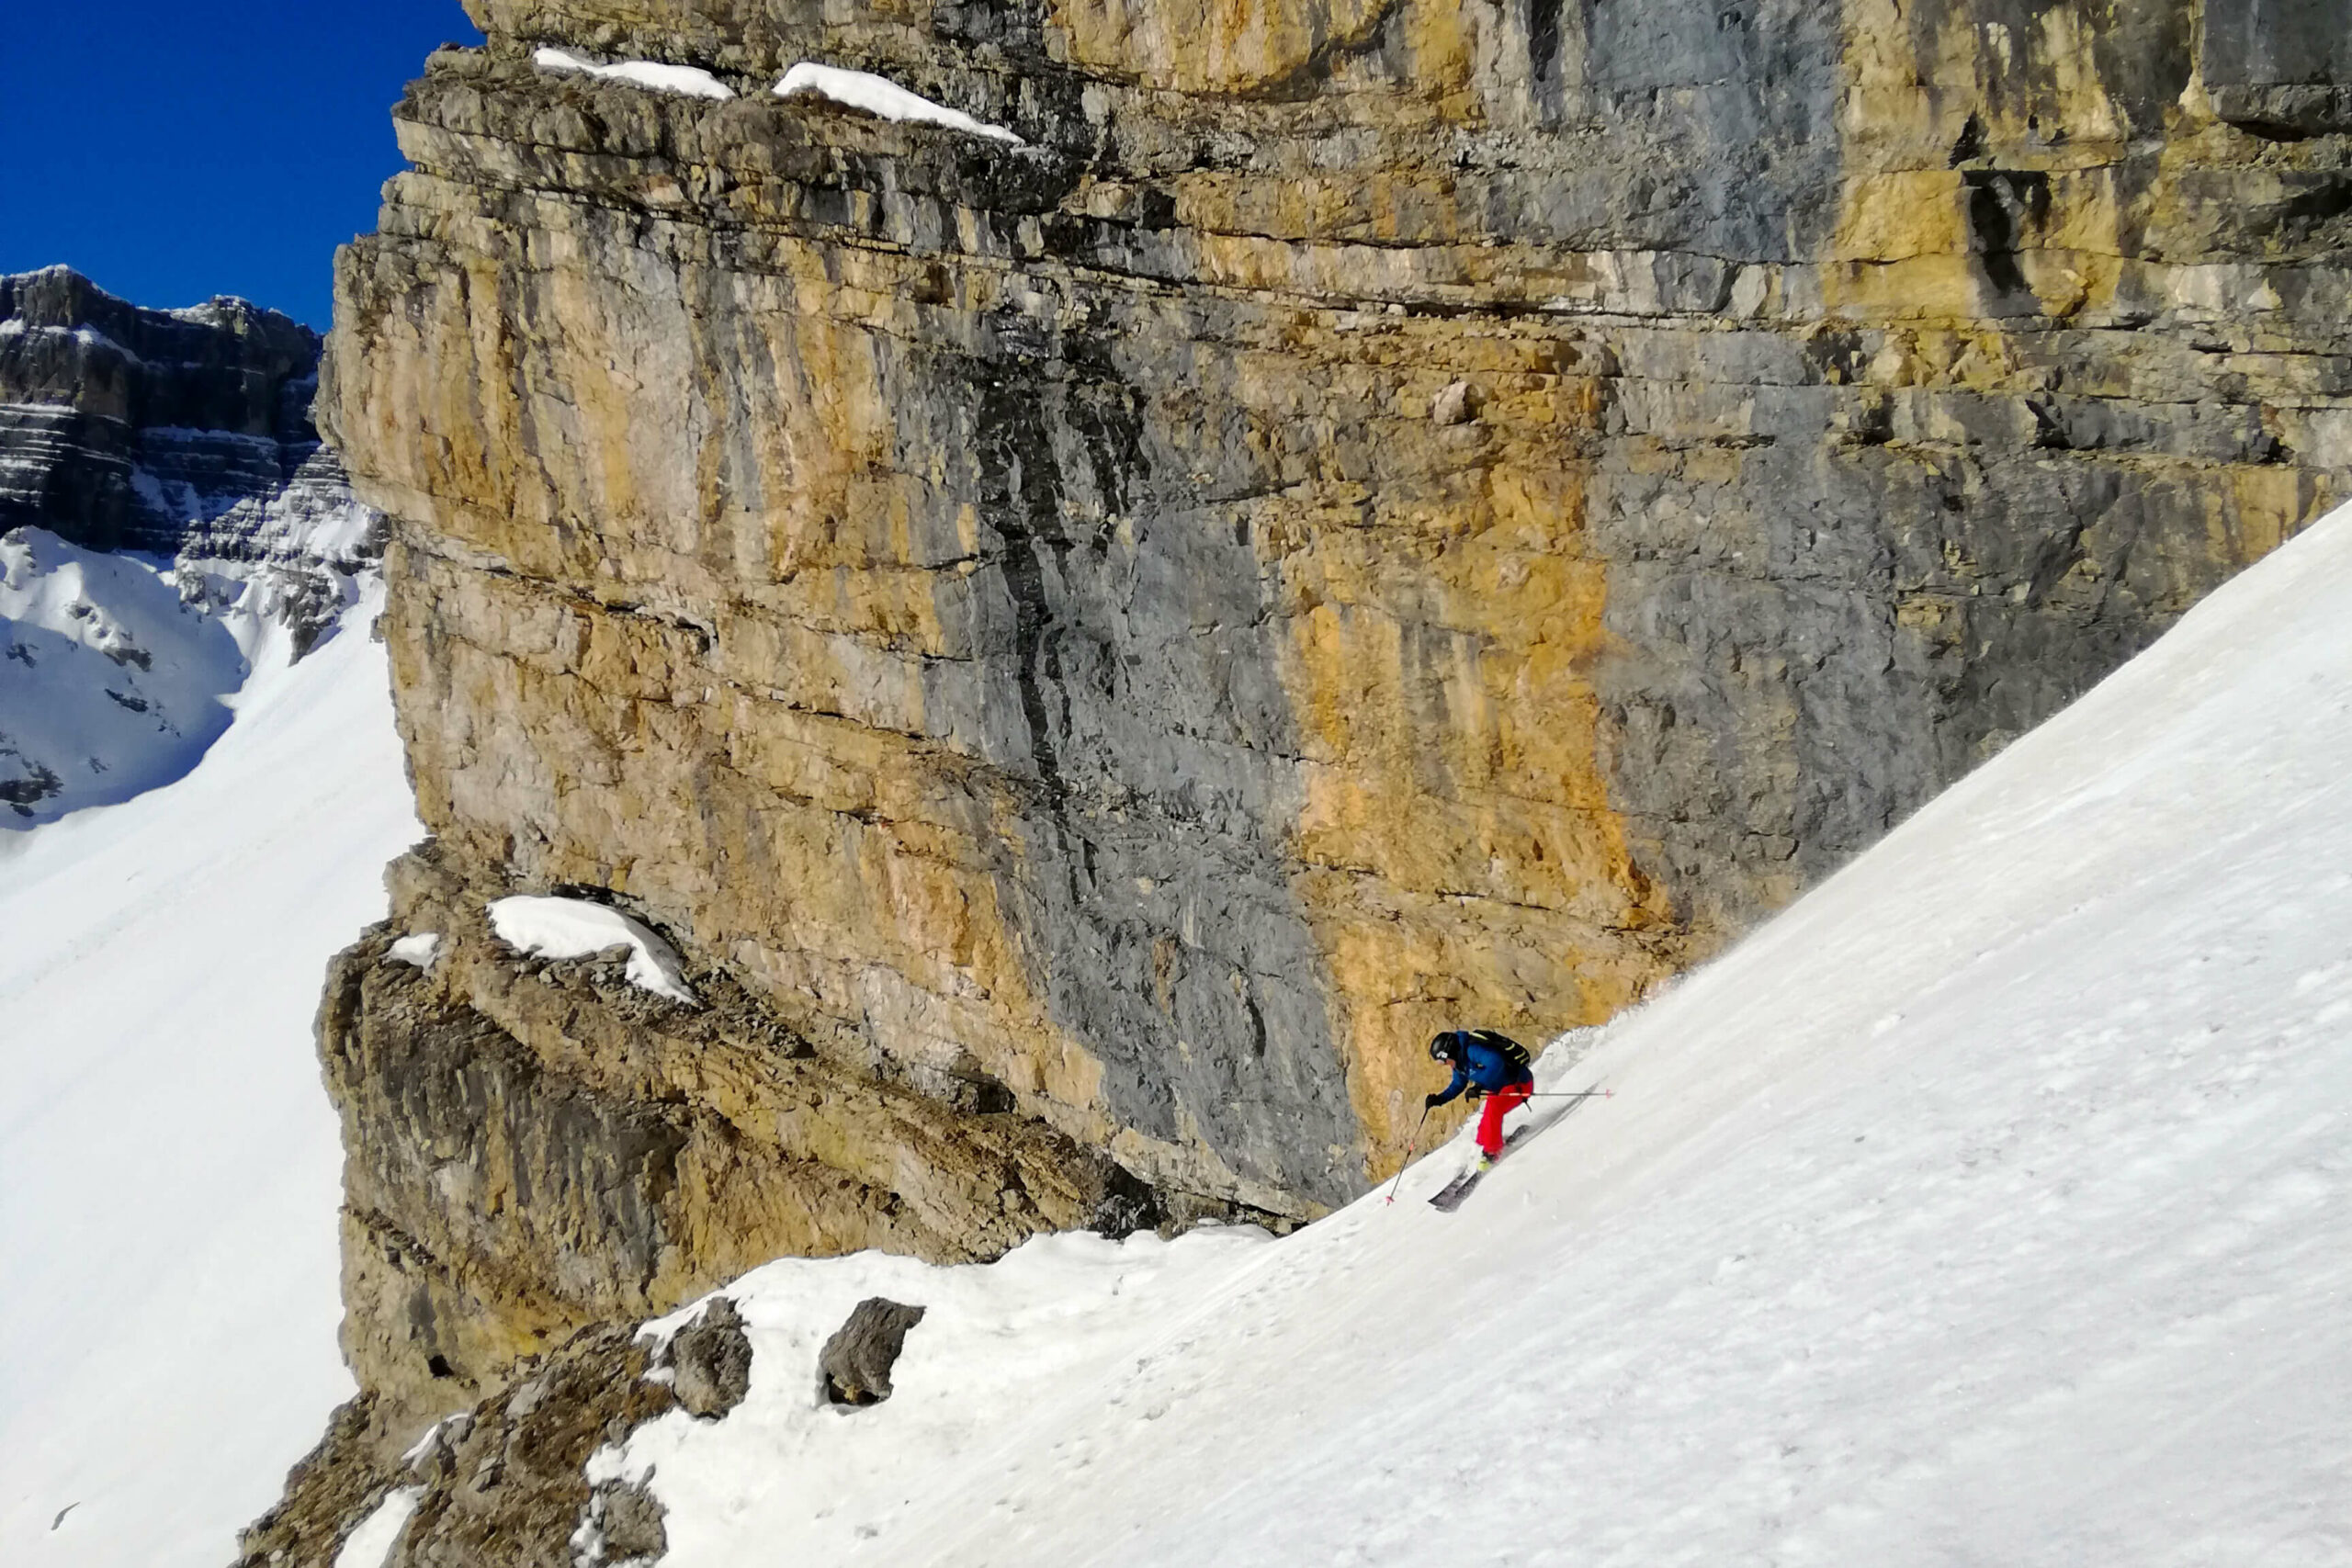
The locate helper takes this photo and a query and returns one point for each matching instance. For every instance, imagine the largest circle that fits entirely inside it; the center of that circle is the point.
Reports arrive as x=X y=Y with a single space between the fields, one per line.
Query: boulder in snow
x=858 y=1360
x=710 y=1362
x=622 y=1525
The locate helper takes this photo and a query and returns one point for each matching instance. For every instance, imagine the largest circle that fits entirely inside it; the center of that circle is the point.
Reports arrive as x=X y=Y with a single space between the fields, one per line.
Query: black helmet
x=1445 y=1047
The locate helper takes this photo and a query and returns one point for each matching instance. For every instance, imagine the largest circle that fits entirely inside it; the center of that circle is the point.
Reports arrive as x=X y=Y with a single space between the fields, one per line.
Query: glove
x=1429 y=1102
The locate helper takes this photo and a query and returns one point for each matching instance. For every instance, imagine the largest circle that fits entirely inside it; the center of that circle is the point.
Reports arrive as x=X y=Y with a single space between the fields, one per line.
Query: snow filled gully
x=1992 y=1204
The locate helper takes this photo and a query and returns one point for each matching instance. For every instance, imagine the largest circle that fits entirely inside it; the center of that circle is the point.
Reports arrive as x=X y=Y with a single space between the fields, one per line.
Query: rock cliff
x=1371 y=516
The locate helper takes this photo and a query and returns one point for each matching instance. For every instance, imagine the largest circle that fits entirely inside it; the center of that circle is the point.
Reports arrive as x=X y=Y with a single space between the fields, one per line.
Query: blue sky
x=174 y=150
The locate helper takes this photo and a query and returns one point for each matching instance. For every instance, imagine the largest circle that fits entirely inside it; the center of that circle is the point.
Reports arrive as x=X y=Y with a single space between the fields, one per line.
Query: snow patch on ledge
x=879 y=96
x=573 y=927
x=418 y=950
x=691 y=81
x=371 y=1546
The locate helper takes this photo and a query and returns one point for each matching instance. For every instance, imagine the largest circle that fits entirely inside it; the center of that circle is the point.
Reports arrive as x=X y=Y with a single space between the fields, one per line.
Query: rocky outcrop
x=533 y=1145
x=709 y=1362
x=1375 y=517
x=502 y=1482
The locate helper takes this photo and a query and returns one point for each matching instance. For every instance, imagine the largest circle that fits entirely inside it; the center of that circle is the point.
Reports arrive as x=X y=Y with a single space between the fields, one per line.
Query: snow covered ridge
x=881 y=97
x=687 y=80
x=114 y=682
x=574 y=928
x=153 y=569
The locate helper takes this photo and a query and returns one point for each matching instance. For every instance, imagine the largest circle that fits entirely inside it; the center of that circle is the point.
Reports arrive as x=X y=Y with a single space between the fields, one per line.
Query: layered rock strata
x=1375 y=517
x=128 y=428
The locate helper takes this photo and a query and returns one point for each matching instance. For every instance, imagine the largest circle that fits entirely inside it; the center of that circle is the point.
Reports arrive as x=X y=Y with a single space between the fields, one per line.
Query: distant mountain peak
x=182 y=438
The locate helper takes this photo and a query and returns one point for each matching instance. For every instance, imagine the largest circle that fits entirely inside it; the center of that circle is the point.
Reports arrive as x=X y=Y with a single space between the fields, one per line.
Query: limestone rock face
x=1376 y=518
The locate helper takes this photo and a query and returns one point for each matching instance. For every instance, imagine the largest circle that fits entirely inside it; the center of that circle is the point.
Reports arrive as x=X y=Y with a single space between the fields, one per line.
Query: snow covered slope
x=1995 y=1205
x=168 y=1160
x=113 y=683
x=116 y=668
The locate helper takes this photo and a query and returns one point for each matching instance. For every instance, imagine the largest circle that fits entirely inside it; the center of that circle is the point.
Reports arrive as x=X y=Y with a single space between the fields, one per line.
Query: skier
x=1489 y=1064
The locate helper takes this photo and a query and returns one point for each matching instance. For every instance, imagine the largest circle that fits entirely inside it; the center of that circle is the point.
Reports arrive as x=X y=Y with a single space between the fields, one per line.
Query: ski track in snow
x=1994 y=1204
x=168 y=1159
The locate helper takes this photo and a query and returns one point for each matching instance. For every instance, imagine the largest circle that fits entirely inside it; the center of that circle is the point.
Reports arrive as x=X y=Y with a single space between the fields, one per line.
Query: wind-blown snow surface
x=168 y=1159
x=1994 y=1204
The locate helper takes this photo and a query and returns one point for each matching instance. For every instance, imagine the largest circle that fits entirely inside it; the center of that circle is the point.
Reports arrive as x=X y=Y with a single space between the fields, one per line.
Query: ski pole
x=1580 y=1094
x=1408 y=1154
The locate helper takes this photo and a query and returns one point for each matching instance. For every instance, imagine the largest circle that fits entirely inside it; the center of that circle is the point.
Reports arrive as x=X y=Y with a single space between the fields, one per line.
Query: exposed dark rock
x=858 y=1360
x=501 y=1484
x=2280 y=68
x=710 y=1362
x=623 y=1526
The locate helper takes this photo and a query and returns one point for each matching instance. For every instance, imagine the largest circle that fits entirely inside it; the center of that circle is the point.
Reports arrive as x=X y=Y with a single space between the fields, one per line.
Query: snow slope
x=169 y=1163
x=1994 y=1204
x=112 y=684
x=118 y=670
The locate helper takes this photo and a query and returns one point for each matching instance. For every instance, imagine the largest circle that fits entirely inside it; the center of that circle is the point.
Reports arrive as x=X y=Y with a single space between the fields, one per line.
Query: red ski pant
x=1499 y=1104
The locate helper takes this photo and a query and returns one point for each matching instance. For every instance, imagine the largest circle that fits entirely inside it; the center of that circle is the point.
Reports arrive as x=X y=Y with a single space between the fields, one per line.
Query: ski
x=1449 y=1197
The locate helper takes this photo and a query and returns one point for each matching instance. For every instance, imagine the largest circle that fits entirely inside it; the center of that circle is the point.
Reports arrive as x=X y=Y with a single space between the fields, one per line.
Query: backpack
x=1511 y=1050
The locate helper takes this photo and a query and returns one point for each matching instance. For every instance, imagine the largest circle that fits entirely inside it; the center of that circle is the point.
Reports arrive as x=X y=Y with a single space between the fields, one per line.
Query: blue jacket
x=1487 y=1068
